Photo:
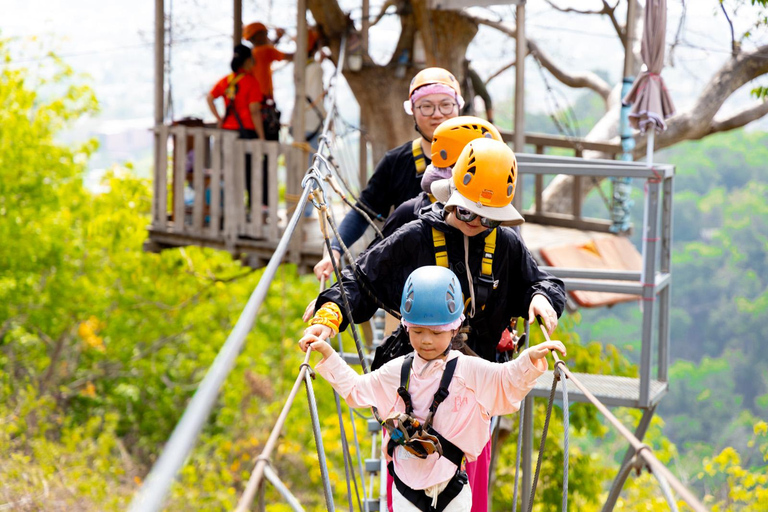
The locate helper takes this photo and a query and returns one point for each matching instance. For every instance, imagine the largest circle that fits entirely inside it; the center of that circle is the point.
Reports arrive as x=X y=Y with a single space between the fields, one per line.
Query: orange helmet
x=483 y=181
x=453 y=134
x=252 y=29
x=434 y=76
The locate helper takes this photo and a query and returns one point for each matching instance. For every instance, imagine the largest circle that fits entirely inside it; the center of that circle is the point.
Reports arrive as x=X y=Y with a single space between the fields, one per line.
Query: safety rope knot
x=309 y=369
x=638 y=463
x=265 y=458
x=559 y=372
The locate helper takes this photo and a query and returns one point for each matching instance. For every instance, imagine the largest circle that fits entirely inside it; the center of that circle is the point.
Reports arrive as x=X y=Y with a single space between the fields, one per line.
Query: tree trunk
x=380 y=93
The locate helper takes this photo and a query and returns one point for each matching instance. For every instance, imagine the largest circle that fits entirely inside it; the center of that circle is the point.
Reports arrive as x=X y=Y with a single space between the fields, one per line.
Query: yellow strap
x=233 y=79
x=441 y=251
x=490 y=247
x=418 y=156
x=432 y=198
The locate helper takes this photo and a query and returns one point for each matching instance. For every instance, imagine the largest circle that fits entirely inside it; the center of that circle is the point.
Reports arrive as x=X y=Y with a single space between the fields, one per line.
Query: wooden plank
x=214 y=222
x=256 y=149
x=555 y=141
x=198 y=180
x=160 y=201
x=238 y=179
x=272 y=190
x=568 y=221
x=179 y=178
x=230 y=195
x=292 y=187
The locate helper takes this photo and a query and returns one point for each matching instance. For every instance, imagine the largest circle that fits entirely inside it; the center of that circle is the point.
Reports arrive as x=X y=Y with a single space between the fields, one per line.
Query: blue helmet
x=432 y=296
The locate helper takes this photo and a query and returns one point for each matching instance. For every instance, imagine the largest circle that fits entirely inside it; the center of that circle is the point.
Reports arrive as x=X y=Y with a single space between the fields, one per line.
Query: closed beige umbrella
x=650 y=100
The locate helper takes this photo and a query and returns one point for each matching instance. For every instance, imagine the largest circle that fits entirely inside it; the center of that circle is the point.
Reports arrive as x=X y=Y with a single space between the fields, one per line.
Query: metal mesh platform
x=609 y=389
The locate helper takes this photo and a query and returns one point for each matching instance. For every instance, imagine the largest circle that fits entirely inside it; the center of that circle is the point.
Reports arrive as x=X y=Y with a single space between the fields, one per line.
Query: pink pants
x=478 y=474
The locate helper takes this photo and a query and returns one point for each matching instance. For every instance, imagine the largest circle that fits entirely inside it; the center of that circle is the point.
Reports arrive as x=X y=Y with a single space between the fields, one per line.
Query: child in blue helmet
x=437 y=402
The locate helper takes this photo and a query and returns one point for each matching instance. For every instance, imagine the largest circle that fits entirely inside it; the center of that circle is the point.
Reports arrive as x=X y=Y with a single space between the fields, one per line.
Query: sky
x=110 y=43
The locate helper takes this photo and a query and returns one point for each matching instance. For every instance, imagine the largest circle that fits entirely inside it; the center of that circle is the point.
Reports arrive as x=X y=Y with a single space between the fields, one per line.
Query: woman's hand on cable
x=309 y=311
x=316 y=341
x=324 y=267
x=540 y=306
x=541 y=350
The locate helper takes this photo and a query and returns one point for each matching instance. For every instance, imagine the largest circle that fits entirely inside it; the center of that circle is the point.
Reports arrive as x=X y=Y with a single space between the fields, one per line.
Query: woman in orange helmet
x=434 y=95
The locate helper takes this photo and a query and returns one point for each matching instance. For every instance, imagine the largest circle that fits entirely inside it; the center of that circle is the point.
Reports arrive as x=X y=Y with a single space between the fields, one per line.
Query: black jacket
x=394 y=181
x=405 y=213
x=385 y=267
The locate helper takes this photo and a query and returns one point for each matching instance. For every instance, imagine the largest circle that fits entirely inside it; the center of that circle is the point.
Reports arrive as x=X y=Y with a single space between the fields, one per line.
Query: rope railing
x=642 y=450
x=152 y=494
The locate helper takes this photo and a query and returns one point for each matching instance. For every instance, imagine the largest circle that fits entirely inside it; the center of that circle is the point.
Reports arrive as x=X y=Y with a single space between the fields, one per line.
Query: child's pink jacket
x=479 y=390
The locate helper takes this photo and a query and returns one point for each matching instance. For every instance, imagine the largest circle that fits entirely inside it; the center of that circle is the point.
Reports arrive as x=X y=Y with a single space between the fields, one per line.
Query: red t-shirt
x=248 y=92
x=263 y=57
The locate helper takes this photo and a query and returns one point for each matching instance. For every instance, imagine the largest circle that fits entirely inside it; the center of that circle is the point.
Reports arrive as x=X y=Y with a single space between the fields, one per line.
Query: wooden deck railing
x=208 y=166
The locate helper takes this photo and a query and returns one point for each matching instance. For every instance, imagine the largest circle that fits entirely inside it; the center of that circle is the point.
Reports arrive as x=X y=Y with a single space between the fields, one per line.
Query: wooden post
x=363 y=168
x=366 y=25
x=630 y=37
x=299 y=165
x=237 y=30
x=520 y=51
x=159 y=206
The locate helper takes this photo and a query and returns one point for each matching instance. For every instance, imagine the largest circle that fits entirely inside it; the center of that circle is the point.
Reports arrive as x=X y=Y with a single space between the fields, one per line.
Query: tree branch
x=587 y=80
x=734 y=44
x=698 y=120
x=678 y=35
x=501 y=70
x=382 y=12
x=739 y=119
x=607 y=10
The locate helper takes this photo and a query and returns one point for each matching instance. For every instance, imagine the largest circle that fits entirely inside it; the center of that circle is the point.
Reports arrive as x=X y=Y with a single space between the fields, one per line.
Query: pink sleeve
x=377 y=388
x=500 y=388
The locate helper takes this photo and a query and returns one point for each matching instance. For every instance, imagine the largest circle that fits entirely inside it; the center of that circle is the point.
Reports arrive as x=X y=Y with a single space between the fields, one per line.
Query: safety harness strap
x=418 y=157
x=441 y=250
x=420 y=499
x=485 y=281
x=405 y=376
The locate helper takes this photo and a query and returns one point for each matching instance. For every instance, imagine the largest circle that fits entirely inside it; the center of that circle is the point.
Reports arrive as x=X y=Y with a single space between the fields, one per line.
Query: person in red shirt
x=264 y=54
x=242 y=98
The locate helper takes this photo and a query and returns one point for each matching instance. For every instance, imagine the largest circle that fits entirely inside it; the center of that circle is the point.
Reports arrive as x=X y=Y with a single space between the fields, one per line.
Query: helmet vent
x=443 y=154
x=408 y=302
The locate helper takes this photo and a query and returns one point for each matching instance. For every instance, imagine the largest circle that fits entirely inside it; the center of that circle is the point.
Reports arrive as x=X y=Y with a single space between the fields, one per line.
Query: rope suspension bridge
x=321 y=178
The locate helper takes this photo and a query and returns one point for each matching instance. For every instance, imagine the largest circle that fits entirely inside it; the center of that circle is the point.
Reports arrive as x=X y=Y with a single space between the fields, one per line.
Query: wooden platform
x=609 y=389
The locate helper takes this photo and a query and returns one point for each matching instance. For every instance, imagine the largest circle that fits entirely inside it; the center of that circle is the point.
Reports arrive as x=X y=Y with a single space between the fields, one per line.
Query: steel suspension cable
x=152 y=494
x=641 y=449
x=254 y=481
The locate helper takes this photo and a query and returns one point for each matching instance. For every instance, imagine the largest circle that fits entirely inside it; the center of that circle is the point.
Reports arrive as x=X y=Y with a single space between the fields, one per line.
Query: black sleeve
x=533 y=280
x=376 y=194
x=402 y=215
x=382 y=271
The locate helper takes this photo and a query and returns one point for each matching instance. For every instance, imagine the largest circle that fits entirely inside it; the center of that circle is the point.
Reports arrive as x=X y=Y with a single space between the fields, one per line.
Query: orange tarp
x=604 y=253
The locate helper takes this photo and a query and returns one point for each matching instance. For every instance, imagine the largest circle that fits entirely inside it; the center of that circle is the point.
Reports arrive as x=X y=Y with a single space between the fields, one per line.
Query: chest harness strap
x=418 y=157
x=485 y=281
x=421 y=438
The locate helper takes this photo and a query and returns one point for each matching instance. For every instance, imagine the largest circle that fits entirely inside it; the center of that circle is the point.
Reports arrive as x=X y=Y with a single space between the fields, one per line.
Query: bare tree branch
x=501 y=70
x=383 y=11
x=739 y=119
x=734 y=44
x=587 y=80
x=607 y=10
x=678 y=35
x=571 y=9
